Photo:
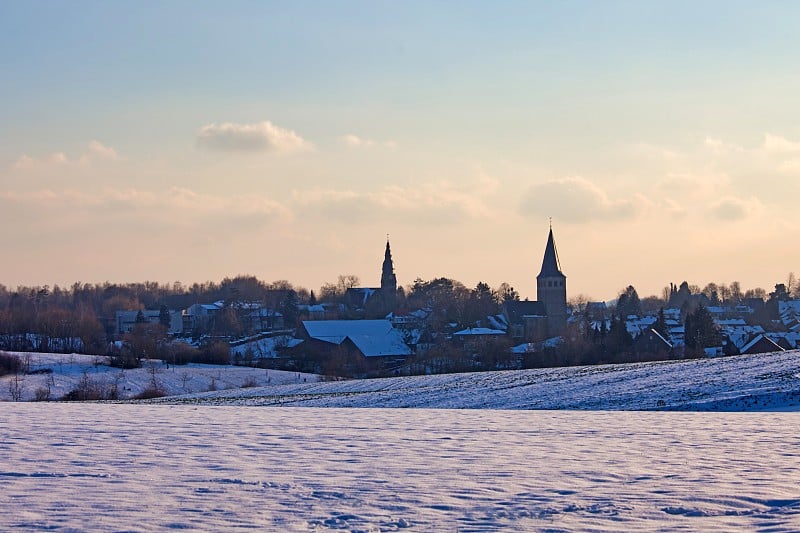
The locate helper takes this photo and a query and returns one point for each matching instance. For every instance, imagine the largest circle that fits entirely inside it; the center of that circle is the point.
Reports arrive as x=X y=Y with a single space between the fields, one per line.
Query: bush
x=89 y=389
x=150 y=393
x=9 y=364
x=218 y=353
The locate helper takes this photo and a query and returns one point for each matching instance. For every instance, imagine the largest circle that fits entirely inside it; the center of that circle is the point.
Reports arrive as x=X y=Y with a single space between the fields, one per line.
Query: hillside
x=62 y=373
x=740 y=383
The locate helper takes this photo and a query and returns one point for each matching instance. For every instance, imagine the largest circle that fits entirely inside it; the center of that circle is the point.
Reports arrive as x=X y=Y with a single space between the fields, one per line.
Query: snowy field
x=741 y=383
x=104 y=467
x=68 y=370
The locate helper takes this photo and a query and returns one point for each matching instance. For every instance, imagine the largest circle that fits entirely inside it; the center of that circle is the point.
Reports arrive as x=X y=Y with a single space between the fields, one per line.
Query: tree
x=163 y=317
x=140 y=317
x=578 y=303
x=661 y=324
x=507 y=293
x=701 y=331
x=628 y=303
x=289 y=309
x=481 y=303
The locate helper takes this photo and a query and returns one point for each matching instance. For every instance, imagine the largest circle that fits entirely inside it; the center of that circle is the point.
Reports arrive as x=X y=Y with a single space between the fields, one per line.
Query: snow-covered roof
x=731 y=322
x=371 y=337
x=756 y=340
x=479 y=331
x=497 y=322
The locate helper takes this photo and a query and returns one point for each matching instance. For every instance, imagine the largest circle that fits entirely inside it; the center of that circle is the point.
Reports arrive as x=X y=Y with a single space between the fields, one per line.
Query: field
x=103 y=467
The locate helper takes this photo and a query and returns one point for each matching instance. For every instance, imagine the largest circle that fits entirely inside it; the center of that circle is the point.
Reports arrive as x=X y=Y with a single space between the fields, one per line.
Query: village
x=429 y=327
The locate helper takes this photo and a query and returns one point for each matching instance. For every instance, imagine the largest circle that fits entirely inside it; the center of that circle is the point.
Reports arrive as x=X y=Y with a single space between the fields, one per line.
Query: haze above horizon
x=195 y=141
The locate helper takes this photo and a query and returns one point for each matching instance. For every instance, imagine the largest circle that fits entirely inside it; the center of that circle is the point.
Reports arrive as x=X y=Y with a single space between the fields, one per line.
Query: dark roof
x=516 y=310
x=550 y=264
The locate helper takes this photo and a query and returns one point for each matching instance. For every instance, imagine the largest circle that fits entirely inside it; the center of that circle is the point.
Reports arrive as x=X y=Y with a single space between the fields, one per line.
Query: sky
x=189 y=141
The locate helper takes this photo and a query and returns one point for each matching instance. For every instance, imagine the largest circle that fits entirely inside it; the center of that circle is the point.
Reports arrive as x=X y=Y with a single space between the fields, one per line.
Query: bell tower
x=551 y=288
x=388 y=279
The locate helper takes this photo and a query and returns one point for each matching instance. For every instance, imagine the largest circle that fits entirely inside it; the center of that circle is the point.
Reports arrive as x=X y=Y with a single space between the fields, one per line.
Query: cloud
x=575 y=200
x=95 y=151
x=98 y=149
x=687 y=184
x=172 y=205
x=733 y=209
x=355 y=141
x=440 y=202
x=260 y=137
x=775 y=144
x=720 y=147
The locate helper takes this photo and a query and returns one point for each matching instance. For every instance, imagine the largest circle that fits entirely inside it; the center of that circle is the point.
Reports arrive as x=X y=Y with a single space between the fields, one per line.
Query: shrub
x=9 y=364
x=218 y=353
x=150 y=393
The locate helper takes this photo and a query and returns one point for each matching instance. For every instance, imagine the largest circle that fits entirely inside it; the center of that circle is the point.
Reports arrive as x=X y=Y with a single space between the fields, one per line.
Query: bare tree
x=16 y=387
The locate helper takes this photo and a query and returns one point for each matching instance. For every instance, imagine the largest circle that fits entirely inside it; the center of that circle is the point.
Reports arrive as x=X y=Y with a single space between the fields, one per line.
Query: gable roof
x=516 y=311
x=372 y=337
x=761 y=344
x=473 y=332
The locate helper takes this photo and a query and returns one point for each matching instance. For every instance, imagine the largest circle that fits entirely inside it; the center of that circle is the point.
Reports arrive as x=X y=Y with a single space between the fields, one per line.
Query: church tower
x=388 y=279
x=551 y=289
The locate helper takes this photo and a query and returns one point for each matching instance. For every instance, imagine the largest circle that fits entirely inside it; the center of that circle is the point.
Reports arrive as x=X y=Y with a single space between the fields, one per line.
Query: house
x=472 y=337
x=527 y=321
x=760 y=344
x=365 y=344
x=199 y=316
x=127 y=320
x=651 y=341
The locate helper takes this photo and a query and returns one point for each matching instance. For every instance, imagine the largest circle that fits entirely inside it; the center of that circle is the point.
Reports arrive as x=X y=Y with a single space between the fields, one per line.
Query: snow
x=68 y=371
x=103 y=467
x=372 y=337
x=206 y=462
x=739 y=383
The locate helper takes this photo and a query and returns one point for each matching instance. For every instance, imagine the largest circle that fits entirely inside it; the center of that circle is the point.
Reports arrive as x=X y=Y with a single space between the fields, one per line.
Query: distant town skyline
x=191 y=141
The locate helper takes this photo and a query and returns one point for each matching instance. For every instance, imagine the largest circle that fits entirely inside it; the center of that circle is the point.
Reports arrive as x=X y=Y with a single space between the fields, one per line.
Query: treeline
x=81 y=317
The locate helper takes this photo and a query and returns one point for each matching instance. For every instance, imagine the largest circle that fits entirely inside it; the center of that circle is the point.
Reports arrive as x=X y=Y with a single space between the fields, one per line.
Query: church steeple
x=551 y=288
x=550 y=263
x=388 y=279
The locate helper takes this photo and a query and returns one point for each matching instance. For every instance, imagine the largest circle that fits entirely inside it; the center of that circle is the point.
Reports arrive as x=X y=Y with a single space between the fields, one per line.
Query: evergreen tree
x=140 y=317
x=629 y=303
x=312 y=300
x=701 y=331
x=661 y=324
x=289 y=309
x=163 y=317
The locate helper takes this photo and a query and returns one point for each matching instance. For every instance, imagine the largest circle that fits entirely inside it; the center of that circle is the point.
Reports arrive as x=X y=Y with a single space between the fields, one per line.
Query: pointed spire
x=388 y=279
x=550 y=265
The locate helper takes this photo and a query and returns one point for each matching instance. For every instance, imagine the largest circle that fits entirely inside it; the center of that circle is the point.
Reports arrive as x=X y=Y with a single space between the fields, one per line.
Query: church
x=547 y=317
x=376 y=302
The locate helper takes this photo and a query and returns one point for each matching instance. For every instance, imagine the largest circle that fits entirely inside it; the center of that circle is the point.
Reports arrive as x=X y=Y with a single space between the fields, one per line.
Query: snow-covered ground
x=68 y=370
x=103 y=467
x=740 y=383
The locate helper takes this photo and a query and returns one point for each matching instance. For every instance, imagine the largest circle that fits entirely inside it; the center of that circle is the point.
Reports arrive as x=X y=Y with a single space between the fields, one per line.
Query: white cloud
x=260 y=137
x=95 y=151
x=775 y=144
x=355 y=141
x=172 y=204
x=98 y=149
x=694 y=185
x=732 y=208
x=576 y=199
x=440 y=202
